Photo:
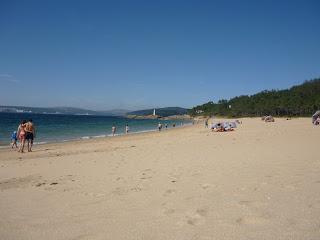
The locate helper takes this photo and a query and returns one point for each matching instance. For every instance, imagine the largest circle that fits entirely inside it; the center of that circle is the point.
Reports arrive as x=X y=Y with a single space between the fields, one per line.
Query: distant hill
x=61 y=110
x=300 y=100
x=163 y=112
x=115 y=112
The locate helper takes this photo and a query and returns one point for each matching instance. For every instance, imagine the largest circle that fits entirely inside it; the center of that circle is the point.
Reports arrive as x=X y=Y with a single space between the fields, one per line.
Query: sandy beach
x=260 y=181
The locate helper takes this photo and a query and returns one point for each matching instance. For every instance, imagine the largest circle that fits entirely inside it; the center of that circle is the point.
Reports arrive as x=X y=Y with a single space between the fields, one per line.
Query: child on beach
x=14 y=139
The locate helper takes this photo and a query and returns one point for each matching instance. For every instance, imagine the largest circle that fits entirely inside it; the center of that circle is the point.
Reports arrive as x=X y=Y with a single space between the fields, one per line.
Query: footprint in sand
x=169 y=192
x=252 y=220
x=205 y=186
x=175 y=176
x=136 y=189
x=120 y=191
x=146 y=174
x=197 y=217
x=244 y=203
x=168 y=211
x=18 y=182
x=40 y=184
x=253 y=204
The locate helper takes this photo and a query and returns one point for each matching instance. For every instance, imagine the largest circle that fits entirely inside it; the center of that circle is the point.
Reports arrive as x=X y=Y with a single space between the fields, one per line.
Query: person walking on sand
x=127 y=129
x=30 y=134
x=21 y=133
x=114 y=129
x=14 y=139
x=206 y=123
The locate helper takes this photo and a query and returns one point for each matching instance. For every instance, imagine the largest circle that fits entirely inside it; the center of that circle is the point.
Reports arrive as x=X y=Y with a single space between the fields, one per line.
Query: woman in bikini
x=21 y=133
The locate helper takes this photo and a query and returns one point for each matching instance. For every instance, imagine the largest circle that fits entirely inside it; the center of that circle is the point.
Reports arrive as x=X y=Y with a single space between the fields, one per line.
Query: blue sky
x=139 y=54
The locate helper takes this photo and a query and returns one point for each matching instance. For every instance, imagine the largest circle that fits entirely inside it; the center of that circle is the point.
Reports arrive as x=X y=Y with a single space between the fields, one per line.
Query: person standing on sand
x=14 y=139
x=21 y=133
x=30 y=134
x=206 y=123
x=159 y=127
x=127 y=129
x=114 y=129
x=166 y=125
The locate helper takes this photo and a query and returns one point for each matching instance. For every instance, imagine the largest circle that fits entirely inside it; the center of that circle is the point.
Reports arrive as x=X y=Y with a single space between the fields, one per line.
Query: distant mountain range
x=164 y=112
x=61 y=110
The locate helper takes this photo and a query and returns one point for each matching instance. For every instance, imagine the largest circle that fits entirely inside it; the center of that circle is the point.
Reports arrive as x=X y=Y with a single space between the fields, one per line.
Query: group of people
x=114 y=129
x=222 y=126
x=26 y=132
x=316 y=118
x=317 y=121
x=160 y=126
x=267 y=118
x=127 y=129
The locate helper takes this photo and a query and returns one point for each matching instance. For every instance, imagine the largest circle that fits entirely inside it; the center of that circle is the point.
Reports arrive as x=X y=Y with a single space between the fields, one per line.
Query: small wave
x=39 y=143
x=99 y=136
x=4 y=146
x=86 y=137
x=145 y=131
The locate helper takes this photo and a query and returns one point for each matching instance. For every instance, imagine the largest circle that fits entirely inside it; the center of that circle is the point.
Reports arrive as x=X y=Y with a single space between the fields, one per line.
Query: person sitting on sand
x=14 y=139
x=269 y=119
x=227 y=127
x=218 y=127
x=222 y=127
x=21 y=133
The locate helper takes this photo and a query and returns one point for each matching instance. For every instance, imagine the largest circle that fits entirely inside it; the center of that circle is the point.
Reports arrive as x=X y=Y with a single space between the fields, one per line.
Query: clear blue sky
x=139 y=54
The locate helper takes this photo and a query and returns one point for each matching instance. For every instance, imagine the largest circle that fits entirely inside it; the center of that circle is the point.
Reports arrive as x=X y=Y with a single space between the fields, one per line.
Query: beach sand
x=261 y=181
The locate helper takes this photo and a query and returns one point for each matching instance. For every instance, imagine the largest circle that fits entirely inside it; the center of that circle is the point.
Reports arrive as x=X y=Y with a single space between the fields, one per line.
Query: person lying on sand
x=222 y=127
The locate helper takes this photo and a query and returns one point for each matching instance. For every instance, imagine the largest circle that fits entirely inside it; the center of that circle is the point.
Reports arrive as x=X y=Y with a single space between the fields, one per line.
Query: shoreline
x=102 y=136
x=89 y=139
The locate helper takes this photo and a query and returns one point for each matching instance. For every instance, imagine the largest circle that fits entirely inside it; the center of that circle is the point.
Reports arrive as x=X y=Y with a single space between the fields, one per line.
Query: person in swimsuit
x=127 y=129
x=30 y=134
x=14 y=139
x=21 y=133
x=114 y=129
x=206 y=123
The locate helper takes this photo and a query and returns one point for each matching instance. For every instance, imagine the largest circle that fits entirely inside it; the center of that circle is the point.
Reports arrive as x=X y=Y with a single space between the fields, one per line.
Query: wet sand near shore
x=260 y=181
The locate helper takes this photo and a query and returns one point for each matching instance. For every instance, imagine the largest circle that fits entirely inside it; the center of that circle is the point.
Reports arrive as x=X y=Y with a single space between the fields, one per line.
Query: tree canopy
x=300 y=100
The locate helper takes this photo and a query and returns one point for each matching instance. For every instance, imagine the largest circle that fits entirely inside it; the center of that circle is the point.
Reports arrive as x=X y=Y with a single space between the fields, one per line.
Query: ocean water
x=57 y=128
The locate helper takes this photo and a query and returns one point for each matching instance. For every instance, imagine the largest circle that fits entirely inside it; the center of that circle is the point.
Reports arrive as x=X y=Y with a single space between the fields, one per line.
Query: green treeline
x=301 y=100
